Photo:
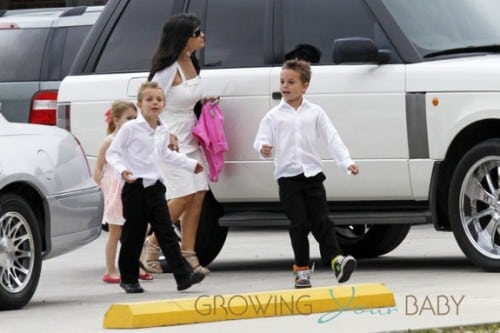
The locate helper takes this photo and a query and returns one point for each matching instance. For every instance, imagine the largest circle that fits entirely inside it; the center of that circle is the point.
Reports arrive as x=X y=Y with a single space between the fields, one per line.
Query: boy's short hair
x=147 y=85
x=300 y=66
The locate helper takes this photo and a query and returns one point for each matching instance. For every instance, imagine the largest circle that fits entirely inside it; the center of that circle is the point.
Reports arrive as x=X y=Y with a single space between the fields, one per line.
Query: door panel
x=244 y=100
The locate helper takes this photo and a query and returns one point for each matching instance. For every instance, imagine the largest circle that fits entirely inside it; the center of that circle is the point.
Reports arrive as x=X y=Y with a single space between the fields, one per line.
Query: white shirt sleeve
x=114 y=154
x=166 y=77
x=178 y=159
x=334 y=143
x=264 y=135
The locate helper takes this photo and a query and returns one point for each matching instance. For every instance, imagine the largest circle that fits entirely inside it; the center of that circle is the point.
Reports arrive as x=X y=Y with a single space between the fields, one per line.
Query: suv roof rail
x=29 y=12
x=74 y=11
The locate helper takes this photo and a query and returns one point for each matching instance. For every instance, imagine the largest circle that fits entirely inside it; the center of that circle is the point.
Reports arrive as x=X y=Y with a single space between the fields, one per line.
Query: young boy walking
x=135 y=153
x=289 y=133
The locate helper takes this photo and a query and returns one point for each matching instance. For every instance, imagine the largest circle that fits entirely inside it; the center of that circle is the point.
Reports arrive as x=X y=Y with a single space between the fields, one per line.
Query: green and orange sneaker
x=343 y=267
x=302 y=276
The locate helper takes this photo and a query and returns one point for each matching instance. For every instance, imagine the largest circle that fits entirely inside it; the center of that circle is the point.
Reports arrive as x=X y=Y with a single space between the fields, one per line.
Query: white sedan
x=49 y=204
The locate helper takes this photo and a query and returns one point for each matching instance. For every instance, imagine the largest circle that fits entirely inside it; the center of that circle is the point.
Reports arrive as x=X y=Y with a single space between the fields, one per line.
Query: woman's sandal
x=150 y=257
x=192 y=259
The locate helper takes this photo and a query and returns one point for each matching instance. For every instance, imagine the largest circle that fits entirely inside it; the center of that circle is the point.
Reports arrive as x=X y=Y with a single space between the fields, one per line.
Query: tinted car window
x=64 y=46
x=327 y=21
x=27 y=68
x=135 y=37
x=235 y=33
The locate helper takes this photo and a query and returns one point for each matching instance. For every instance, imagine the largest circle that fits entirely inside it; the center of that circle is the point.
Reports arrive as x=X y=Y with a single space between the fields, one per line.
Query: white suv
x=412 y=86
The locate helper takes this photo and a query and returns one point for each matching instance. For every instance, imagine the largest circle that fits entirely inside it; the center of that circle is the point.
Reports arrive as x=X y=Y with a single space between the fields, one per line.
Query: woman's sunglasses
x=197 y=33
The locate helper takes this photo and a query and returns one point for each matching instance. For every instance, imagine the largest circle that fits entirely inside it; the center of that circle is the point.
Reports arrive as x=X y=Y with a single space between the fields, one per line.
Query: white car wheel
x=474 y=205
x=20 y=252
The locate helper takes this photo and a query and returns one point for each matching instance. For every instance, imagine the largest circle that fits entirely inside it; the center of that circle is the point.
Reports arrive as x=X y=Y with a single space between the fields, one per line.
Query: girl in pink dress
x=111 y=186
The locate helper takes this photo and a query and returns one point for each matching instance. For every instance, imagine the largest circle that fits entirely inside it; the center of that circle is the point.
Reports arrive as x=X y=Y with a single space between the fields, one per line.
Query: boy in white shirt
x=135 y=153
x=290 y=132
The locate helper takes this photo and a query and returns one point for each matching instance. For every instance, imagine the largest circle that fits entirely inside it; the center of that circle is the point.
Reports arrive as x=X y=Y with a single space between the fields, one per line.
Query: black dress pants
x=304 y=202
x=140 y=206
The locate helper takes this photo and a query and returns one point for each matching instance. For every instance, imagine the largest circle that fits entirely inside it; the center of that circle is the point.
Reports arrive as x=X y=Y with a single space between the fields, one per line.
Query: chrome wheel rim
x=480 y=206
x=17 y=252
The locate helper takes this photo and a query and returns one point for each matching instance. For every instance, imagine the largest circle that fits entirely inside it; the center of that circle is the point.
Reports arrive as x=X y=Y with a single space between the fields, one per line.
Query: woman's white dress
x=180 y=118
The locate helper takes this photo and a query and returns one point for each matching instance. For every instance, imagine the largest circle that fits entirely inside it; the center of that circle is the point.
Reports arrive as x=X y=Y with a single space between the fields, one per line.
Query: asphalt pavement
x=433 y=283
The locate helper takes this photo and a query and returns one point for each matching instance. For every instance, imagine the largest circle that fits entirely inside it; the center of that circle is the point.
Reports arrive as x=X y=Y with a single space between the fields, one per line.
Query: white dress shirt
x=138 y=148
x=294 y=136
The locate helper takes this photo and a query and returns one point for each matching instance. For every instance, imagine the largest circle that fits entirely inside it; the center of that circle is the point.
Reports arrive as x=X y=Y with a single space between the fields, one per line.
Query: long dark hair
x=174 y=37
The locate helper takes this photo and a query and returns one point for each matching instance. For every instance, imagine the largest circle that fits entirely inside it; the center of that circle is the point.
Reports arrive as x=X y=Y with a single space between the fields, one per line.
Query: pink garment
x=210 y=131
x=112 y=189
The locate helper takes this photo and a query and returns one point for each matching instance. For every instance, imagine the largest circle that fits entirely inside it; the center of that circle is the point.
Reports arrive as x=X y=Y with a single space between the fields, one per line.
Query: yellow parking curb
x=207 y=308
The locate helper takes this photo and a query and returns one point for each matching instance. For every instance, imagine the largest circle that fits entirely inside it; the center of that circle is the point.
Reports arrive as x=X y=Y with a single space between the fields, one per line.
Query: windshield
x=437 y=25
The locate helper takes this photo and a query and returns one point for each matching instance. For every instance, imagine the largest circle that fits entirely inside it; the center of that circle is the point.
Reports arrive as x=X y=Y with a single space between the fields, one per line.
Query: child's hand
x=174 y=143
x=353 y=169
x=127 y=176
x=212 y=99
x=198 y=168
x=266 y=150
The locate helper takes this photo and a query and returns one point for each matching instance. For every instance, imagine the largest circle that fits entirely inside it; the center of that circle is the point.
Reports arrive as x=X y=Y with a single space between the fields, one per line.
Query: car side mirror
x=359 y=50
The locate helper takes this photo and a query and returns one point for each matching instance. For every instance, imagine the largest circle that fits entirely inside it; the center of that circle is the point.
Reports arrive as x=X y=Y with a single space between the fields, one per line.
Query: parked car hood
x=473 y=73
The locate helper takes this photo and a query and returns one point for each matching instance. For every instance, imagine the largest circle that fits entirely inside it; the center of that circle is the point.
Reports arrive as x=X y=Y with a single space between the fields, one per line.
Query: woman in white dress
x=176 y=69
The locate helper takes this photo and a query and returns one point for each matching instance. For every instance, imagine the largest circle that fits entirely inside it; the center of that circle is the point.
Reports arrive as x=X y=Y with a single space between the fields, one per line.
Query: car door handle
x=276 y=95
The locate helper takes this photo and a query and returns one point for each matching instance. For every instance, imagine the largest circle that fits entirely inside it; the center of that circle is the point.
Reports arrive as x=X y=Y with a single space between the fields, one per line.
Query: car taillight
x=43 y=107
x=7 y=25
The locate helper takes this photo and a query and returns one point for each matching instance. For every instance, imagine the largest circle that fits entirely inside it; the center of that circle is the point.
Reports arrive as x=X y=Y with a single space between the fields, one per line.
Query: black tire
x=19 y=236
x=369 y=241
x=209 y=241
x=474 y=205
